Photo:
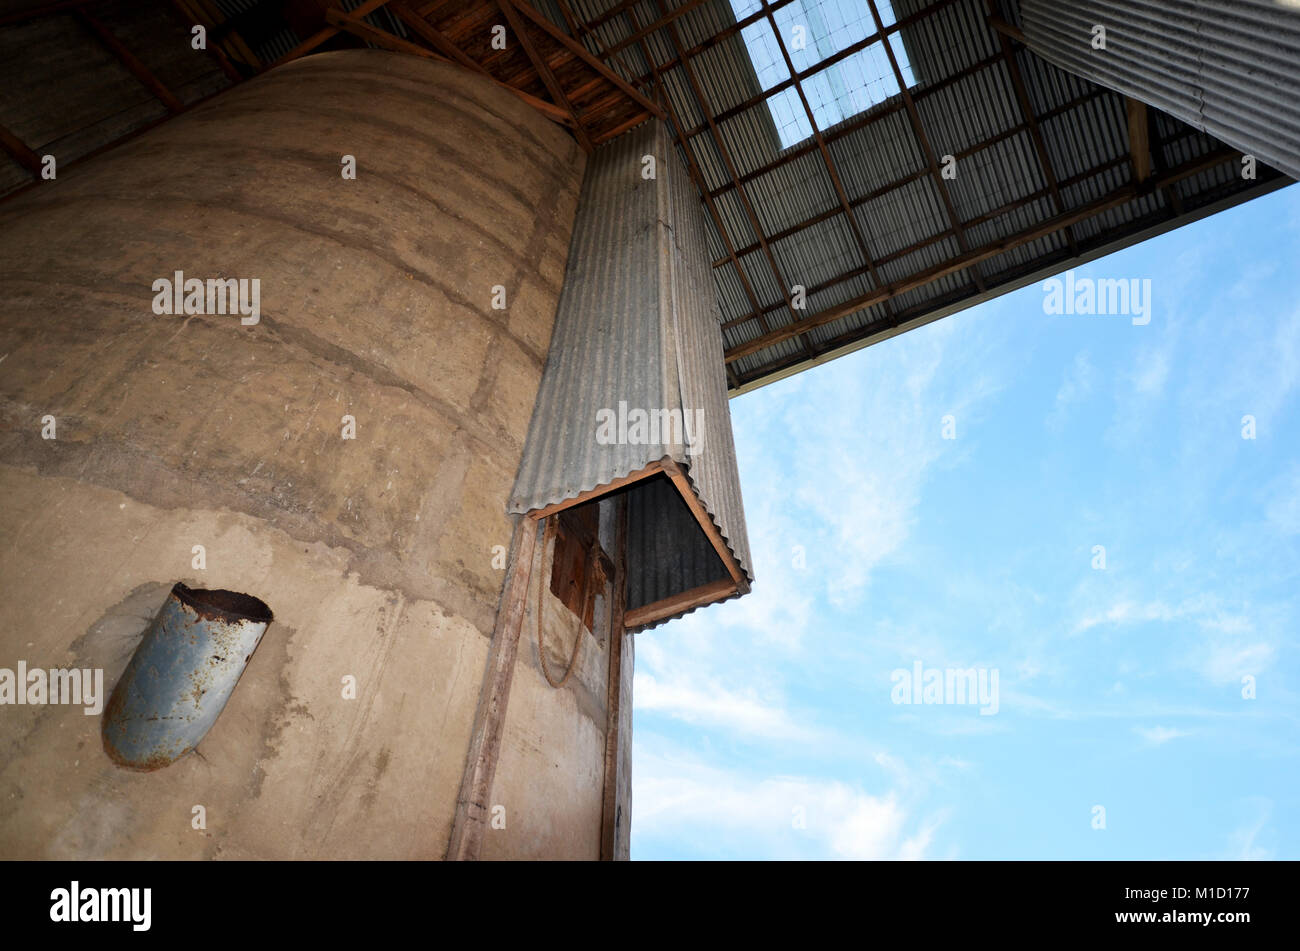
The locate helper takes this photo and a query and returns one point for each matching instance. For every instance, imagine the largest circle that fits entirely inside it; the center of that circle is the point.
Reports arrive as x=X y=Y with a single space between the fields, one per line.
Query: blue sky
x=1119 y=687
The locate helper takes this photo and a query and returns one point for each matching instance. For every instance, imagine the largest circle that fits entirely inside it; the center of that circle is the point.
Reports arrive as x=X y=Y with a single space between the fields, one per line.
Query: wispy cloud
x=1075 y=387
x=682 y=800
x=1159 y=735
x=1244 y=840
x=712 y=704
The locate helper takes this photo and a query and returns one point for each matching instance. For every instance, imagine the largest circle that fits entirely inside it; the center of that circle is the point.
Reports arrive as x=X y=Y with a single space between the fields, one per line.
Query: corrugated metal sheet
x=1227 y=67
x=965 y=96
x=637 y=329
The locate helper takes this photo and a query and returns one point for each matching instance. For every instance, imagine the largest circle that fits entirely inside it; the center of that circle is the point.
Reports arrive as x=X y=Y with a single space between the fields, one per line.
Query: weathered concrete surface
x=548 y=785
x=376 y=553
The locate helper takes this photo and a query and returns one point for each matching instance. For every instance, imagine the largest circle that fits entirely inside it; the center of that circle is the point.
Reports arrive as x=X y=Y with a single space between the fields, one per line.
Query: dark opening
x=226 y=605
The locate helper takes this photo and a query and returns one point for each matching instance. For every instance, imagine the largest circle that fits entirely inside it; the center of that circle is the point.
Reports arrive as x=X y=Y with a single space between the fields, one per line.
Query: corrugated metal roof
x=968 y=107
x=636 y=331
x=1229 y=67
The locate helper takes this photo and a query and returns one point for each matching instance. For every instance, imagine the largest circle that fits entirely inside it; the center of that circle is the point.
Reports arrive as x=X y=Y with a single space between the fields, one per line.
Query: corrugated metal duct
x=634 y=394
x=1228 y=67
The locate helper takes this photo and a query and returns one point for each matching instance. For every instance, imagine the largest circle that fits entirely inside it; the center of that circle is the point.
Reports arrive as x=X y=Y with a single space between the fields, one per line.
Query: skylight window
x=814 y=31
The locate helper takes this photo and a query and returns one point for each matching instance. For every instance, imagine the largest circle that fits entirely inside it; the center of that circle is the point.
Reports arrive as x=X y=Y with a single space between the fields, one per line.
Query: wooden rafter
x=132 y=63
x=1139 y=146
x=918 y=129
x=1115 y=199
x=393 y=43
x=878 y=114
x=901 y=182
x=196 y=16
x=326 y=33
x=990 y=215
x=580 y=51
x=435 y=38
x=834 y=174
x=552 y=84
x=1035 y=132
x=19 y=151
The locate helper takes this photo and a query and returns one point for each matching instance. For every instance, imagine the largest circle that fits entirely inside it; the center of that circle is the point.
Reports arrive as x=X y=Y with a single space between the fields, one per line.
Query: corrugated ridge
x=1231 y=69
x=637 y=323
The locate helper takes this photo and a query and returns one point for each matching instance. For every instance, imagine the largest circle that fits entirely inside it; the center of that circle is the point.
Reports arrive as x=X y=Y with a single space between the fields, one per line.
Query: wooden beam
x=1139 y=143
x=653 y=469
x=544 y=71
x=128 y=59
x=1035 y=134
x=383 y=38
x=19 y=151
x=968 y=223
x=1096 y=92
x=993 y=249
x=439 y=41
x=665 y=17
x=1006 y=29
x=687 y=600
x=326 y=33
x=918 y=129
x=580 y=51
x=878 y=113
x=472 y=806
x=578 y=30
x=838 y=184
x=229 y=36
x=609 y=808
x=197 y=17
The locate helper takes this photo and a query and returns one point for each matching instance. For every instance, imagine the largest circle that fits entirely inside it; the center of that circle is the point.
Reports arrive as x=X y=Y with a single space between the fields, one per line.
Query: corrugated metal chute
x=634 y=394
x=1228 y=67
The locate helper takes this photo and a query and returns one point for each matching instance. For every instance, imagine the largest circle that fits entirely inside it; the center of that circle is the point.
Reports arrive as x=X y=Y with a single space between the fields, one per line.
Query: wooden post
x=470 y=819
x=1139 y=145
x=614 y=691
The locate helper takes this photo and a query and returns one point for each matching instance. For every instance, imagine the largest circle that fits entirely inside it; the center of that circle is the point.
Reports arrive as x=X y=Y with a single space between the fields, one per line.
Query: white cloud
x=711 y=704
x=729 y=813
x=1075 y=387
x=1128 y=612
x=1159 y=735
x=1284 y=508
x=1151 y=372
x=1229 y=644
x=860 y=461
x=1243 y=841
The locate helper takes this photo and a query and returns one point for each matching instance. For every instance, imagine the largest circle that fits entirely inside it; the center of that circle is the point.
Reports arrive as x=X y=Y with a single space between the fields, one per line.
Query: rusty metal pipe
x=181 y=675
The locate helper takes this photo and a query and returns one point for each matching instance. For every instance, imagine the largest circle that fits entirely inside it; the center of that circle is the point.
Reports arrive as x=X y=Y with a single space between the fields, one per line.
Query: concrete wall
x=550 y=774
x=376 y=553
